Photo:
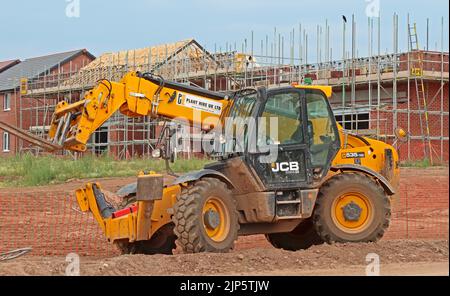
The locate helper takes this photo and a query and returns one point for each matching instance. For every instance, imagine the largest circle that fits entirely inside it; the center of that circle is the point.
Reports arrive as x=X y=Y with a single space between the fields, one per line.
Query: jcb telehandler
x=312 y=182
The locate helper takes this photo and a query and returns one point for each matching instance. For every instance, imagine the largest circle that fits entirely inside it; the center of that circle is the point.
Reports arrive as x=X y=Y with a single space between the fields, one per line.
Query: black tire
x=162 y=241
x=377 y=222
x=301 y=238
x=189 y=219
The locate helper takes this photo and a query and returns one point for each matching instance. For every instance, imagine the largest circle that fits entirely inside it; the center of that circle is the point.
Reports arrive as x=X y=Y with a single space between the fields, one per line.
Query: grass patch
x=29 y=170
x=423 y=163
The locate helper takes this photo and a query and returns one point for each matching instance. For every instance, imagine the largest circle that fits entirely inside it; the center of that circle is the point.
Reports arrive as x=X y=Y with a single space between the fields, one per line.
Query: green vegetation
x=29 y=170
x=423 y=163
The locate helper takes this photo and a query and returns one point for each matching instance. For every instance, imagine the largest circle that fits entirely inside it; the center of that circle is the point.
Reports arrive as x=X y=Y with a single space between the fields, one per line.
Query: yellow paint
x=221 y=231
x=134 y=97
x=374 y=154
x=402 y=133
x=82 y=199
x=24 y=86
x=327 y=90
x=337 y=212
x=126 y=226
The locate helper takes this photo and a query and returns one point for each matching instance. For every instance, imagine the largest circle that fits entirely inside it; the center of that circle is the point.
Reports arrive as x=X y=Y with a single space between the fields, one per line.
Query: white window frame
x=6 y=142
x=357 y=112
x=7 y=102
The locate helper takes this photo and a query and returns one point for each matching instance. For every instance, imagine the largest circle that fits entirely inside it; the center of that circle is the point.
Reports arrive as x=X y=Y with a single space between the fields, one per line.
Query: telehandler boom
x=306 y=182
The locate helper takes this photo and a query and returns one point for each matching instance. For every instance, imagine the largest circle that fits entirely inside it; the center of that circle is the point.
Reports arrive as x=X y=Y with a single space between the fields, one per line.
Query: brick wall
x=431 y=61
x=417 y=125
x=11 y=117
x=28 y=118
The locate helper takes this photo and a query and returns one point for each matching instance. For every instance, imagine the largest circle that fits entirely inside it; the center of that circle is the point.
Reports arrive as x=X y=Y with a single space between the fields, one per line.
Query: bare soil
x=46 y=219
x=397 y=257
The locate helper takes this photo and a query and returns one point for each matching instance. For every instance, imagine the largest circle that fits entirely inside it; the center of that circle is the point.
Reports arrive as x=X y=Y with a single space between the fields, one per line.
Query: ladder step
x=288 y=217
x=287 y=202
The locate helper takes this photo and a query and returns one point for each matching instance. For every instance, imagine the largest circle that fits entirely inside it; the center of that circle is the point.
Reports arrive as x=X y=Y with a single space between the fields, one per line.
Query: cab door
x=296 y=139
x=282 y=158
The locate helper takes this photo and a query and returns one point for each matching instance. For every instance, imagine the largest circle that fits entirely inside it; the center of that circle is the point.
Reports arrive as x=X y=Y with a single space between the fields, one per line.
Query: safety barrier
x=52 y=224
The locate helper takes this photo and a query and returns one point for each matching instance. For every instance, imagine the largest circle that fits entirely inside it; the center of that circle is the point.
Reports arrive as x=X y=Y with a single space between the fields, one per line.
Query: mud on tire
x=189 y=217
x=337 y=186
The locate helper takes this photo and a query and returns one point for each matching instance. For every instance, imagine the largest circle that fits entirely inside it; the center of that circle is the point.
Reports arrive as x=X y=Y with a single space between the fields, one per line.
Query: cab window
x=240 y=113
x=287 y=127
x=320 y=127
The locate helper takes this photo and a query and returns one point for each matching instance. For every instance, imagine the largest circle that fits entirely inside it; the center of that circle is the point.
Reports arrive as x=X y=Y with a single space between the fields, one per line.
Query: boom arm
x=135 y=95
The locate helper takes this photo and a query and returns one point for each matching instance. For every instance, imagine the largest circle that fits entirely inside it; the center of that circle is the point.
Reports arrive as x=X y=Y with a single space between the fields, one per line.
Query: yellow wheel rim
x=352 y=212
x=220 y=227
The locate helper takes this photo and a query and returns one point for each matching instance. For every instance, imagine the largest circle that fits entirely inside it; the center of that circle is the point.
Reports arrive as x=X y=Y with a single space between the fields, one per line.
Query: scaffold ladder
x=417 y=72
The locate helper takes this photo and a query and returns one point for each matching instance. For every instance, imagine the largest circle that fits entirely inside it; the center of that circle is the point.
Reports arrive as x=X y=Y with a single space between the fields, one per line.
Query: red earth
x=48 y=219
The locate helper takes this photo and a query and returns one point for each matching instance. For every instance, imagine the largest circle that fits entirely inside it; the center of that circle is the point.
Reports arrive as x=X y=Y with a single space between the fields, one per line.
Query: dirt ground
x=48 y=219
x=397 y=257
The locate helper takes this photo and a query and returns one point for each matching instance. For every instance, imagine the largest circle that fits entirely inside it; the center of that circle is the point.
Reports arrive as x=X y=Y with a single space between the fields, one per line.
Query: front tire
x=205 y=217
x=351 y=208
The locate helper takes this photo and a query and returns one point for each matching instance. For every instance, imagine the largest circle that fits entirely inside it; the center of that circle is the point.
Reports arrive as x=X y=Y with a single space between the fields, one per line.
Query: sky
x=34 y=28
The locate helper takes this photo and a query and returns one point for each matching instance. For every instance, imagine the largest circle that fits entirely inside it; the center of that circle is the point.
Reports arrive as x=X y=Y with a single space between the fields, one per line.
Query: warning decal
x=200 y=104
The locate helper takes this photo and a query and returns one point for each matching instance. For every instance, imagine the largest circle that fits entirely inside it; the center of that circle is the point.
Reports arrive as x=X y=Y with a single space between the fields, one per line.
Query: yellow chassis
x=126 y=227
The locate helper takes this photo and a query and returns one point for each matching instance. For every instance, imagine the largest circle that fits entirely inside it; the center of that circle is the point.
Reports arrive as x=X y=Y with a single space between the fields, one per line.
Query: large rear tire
x=301 y=238
x=351 y=208
x=205 y=217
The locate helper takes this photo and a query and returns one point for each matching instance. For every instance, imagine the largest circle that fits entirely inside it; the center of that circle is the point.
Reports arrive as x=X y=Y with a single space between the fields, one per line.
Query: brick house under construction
x=413 y=95
x=373 y=96
x=14 y=101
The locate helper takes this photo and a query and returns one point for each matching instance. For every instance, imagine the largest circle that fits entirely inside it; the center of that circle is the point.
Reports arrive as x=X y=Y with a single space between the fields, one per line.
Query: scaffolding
x=373 y=95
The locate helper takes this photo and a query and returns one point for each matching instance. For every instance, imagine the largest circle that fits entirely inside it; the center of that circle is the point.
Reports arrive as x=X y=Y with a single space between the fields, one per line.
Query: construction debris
x=14 y=254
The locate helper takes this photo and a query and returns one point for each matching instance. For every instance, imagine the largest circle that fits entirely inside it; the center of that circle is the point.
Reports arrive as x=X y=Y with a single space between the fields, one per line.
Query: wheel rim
x=216 y=219
x=352 y=212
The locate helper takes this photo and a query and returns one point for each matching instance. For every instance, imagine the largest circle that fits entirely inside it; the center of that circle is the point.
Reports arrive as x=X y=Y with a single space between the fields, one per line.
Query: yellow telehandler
x=284 y=168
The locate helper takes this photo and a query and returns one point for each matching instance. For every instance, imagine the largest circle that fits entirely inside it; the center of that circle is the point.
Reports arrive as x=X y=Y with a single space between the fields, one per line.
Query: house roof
x=153 y=55
x=5 y=65
x=31 y=68
x=142 y=59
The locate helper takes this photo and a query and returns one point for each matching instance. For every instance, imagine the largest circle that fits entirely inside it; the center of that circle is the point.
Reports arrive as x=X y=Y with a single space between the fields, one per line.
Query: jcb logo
x=285 y=167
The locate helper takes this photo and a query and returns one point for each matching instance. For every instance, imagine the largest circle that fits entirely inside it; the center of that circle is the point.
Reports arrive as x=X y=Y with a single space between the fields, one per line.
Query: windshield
x=286 y=109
